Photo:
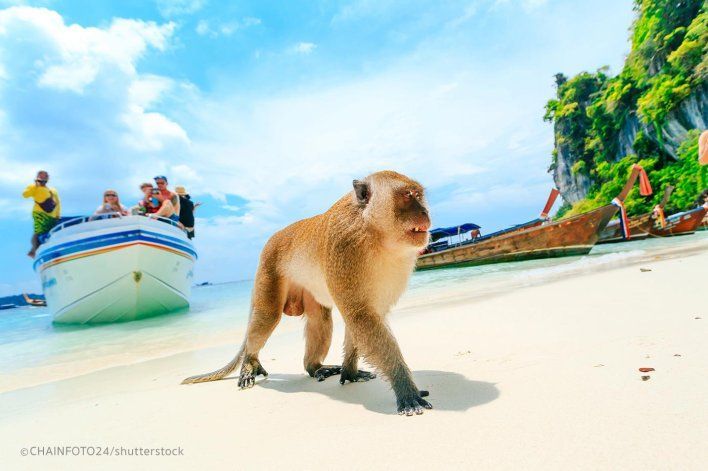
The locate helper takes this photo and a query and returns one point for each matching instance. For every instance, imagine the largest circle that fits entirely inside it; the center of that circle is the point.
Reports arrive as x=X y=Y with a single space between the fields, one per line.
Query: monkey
x=357 y=256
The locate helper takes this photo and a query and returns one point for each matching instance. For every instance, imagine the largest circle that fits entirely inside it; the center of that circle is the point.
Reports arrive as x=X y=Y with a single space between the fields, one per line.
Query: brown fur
x=356 y=256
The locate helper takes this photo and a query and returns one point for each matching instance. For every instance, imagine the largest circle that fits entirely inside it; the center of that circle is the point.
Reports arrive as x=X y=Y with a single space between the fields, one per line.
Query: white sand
x=541 y=378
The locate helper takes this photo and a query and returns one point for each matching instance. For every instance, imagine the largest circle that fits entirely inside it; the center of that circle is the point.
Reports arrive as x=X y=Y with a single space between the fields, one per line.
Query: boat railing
x=97 y=217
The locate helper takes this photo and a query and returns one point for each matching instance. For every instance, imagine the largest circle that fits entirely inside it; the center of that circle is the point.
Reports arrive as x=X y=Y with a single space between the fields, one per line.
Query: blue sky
x=266 y=110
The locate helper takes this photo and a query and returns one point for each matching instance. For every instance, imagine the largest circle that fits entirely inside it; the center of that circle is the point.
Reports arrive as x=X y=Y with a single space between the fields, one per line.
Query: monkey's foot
x=325 y=371
x=249 y=371
x=413 y=404
x=359 y=375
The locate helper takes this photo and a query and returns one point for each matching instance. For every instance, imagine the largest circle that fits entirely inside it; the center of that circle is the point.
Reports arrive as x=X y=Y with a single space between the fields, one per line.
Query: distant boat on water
x=112 y=269
x=38 y=302
x=573 y=236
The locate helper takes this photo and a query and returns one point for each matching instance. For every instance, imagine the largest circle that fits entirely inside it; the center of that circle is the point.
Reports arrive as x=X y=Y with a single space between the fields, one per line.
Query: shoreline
x=541 y=377
x=413 y=300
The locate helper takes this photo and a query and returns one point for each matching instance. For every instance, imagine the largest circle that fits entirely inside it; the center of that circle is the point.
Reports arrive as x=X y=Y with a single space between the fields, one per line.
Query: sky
x=267 y=110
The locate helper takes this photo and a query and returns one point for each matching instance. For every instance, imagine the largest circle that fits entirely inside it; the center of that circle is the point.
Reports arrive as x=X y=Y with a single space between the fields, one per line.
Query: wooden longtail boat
x=680 y=224
x=572 y=236
x=639 y=226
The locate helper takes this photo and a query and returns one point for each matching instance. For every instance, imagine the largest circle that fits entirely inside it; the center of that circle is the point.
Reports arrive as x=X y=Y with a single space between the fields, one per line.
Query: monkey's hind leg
x=350 y=365
x=318 y=338
x=267 y=306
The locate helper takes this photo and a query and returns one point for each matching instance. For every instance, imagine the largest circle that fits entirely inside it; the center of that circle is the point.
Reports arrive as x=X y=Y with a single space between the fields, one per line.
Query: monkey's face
x=396 y=206
x=411 y=216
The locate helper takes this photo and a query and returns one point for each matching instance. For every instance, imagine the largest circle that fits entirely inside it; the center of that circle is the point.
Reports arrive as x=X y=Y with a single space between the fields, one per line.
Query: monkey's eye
x=413 y=194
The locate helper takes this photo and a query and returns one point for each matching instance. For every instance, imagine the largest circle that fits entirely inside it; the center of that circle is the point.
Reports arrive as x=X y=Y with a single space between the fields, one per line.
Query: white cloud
x=172 y=8
x=303 y=48
x=70 y=57
x=207 y=28
x=203 y=27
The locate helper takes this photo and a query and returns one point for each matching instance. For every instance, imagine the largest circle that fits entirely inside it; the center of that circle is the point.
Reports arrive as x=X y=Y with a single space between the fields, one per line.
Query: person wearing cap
x=161 y=182
x=46 y=210
x=186 y=211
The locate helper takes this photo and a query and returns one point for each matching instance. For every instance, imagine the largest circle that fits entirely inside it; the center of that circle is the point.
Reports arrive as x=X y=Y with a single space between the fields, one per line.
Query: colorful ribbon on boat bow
x=624 y=222
x=659 y=215
x=644 y=185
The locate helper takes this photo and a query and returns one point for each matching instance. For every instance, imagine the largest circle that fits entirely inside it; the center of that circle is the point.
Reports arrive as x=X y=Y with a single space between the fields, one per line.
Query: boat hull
x=573 y=236
x=117 y=272
x=704 y=224
x=686 y=223
x=639 y=228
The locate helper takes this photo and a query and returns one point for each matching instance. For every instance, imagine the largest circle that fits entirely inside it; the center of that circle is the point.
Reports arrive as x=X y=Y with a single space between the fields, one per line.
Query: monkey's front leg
x=378 y=345
x=350 y=365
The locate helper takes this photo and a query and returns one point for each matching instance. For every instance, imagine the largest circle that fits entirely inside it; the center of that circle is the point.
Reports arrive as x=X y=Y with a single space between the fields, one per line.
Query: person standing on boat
x=161 y=182
x=186 y=210
x=46 y=210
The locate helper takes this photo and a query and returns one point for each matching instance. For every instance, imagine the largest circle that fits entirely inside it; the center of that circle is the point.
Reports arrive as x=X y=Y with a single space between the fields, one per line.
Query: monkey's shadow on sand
x=448 y=391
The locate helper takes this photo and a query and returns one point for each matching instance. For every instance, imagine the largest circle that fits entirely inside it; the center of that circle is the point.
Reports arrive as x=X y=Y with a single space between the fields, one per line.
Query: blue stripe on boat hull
x=106 y=240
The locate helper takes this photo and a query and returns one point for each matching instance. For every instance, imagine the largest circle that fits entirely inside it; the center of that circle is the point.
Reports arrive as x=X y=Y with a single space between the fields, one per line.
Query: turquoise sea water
x=30 y=344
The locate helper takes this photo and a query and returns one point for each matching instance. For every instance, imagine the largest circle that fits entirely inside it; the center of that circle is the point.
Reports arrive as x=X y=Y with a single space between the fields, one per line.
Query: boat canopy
x=442 y=232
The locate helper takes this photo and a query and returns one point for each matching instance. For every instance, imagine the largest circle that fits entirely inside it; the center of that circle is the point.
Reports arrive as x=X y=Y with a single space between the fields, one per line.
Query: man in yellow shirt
x=46 y=210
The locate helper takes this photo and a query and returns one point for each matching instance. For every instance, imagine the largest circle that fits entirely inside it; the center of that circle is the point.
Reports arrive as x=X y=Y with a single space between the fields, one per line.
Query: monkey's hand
x=413 y=403
x=355 y=376
x=325 y=371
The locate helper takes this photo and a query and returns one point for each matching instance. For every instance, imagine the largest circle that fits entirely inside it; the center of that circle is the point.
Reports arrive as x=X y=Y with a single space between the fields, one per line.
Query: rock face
x=573 y=187
x=692 y=113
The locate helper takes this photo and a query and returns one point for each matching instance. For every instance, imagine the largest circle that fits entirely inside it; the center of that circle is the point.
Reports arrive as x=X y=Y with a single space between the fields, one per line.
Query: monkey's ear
x=361 y=189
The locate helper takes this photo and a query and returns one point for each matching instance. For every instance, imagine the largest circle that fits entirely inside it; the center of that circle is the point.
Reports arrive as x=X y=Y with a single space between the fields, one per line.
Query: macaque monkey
x=357 y=256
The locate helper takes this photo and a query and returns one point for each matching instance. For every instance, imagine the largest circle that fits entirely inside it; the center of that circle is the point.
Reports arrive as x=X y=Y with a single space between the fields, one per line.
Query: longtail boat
x=683 y=223
x=572 y=236
x=639 y=226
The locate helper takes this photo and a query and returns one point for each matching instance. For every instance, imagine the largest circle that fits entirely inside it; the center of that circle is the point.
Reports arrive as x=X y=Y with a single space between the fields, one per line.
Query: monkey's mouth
x=419 y=229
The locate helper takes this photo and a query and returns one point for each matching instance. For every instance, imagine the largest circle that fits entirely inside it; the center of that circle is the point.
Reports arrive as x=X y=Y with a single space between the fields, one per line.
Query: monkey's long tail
x=221 y=372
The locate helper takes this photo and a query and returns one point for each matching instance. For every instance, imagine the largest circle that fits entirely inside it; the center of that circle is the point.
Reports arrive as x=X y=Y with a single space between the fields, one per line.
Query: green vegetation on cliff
x=594 y=112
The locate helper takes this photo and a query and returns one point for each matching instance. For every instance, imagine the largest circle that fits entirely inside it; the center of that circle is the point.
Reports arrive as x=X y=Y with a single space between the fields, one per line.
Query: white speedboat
x=113 y=269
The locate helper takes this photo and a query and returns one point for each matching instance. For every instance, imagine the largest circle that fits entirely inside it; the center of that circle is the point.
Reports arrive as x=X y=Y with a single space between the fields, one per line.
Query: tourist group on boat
x=157 y=201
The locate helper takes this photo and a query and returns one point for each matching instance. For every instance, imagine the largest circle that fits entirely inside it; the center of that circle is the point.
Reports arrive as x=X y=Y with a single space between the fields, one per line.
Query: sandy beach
x=543 y=377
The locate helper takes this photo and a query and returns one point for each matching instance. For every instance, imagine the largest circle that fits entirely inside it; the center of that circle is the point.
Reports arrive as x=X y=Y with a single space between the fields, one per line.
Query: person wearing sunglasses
x=161 y=183
x=46 y=210
x=111 y=204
